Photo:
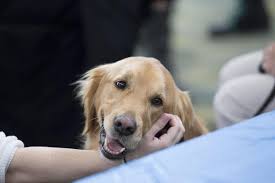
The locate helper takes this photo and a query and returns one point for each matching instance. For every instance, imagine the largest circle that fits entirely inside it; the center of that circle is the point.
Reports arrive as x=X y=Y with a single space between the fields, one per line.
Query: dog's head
x=123 y=99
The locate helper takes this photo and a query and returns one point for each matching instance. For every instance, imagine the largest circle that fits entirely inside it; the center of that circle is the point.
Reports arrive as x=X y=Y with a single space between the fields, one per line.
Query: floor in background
x=197 y=58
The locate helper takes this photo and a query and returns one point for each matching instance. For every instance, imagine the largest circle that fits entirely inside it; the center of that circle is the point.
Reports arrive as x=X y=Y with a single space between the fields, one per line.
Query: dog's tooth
x=106 y=147
x=109 y=150
x=122 y=149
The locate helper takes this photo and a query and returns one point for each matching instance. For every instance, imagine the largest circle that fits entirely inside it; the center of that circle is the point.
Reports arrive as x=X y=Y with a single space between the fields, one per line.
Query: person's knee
x=240 y=66
x=226 y=105
x=225 y=73
x=240 y=98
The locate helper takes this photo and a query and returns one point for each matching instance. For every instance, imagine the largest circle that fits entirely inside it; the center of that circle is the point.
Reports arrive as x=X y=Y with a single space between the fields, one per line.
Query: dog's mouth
x=111 y=148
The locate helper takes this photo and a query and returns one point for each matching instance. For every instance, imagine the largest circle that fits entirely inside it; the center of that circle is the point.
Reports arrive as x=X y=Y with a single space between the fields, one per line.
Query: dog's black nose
x=125 y=125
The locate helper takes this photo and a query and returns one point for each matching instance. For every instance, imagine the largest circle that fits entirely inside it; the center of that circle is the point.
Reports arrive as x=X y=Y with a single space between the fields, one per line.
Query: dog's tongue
x=114 y=145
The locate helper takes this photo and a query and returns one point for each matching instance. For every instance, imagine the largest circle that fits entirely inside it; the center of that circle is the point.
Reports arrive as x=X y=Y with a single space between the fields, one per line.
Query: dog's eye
x=156 y=101
x=121 y=84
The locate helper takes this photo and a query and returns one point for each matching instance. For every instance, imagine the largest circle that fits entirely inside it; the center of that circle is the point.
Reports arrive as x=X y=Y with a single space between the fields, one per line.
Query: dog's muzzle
x=111 y=148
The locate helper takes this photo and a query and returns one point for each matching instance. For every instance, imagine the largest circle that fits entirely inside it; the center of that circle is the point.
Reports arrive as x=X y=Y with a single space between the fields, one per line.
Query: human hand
x=151 y=143
x=268 y=63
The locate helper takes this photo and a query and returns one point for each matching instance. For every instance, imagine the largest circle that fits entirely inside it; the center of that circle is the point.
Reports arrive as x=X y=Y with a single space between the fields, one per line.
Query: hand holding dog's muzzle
x=167 y=131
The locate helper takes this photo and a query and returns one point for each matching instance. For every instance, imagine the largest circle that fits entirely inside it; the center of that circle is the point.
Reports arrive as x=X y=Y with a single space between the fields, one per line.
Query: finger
x=179 y=133
x=175 y=131
x=169 y=137
x=181 y=124
x=159 y=125
x=176 y=121
x=179 y=136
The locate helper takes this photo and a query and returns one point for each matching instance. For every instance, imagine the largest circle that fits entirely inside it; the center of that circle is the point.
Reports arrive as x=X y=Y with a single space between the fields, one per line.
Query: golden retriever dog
x=122 y=100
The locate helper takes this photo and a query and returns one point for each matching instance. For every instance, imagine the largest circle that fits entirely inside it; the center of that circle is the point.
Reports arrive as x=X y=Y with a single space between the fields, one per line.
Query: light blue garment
x=243 y=153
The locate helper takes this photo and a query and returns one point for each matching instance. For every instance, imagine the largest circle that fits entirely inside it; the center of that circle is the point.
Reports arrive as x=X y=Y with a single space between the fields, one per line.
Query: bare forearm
x=43 y=164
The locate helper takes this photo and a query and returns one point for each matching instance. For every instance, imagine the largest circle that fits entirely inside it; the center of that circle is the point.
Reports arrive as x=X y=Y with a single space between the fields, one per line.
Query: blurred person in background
x=250 y=17
x=247 y=87
x=45 y=46
x=154 y=36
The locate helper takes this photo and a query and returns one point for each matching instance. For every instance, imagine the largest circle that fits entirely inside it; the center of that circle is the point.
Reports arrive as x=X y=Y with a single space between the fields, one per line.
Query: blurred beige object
x=243 y=90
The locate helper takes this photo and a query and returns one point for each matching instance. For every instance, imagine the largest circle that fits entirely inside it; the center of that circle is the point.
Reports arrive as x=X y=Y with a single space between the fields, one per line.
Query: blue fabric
x=243 y=153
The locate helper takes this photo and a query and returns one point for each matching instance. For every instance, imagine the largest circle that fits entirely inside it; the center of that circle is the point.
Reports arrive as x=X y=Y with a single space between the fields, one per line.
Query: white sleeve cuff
x=8 y=146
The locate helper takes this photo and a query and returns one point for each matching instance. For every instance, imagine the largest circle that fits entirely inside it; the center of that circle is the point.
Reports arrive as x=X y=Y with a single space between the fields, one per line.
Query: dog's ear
x=87 y=88
x=184 y=109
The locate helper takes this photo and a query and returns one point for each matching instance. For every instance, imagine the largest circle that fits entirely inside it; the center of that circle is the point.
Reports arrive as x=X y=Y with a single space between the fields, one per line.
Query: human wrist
x=130 y=156
x=138 y=153
x=9 y=146
x=108 y=162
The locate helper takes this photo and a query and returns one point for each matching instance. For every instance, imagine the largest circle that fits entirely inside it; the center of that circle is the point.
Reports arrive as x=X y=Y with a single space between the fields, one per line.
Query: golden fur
x=146 y=78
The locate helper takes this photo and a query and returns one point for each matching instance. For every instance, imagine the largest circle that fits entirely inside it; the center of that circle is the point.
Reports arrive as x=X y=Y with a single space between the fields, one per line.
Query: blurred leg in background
x=250 y=17
x=111 y=29
x=154 y=34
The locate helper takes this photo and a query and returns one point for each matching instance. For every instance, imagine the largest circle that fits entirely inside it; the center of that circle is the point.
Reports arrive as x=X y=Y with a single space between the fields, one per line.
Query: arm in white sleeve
x=8 y=146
